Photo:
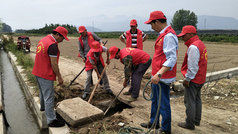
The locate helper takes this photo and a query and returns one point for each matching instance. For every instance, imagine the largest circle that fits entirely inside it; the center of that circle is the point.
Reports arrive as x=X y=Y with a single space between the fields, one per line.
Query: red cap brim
x=181 y=34
x=81 y=31
x=66 y=38
x=148 y=21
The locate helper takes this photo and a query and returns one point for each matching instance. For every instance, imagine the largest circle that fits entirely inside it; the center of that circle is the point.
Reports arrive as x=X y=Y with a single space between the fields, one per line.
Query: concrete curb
x=34 y=102
x=213 y=76
x=2 y=123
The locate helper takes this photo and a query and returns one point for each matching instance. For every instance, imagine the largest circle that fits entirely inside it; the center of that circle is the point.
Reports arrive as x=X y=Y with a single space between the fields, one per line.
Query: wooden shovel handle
x=94 y=89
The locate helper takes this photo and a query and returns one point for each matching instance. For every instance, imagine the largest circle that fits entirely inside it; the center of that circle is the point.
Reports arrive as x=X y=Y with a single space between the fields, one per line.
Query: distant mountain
x=217 y=22
x=122 y=23
x=93 y=29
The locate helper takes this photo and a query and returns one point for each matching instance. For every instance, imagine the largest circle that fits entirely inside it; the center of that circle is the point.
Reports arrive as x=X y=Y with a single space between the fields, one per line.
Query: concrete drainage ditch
x=15 y=103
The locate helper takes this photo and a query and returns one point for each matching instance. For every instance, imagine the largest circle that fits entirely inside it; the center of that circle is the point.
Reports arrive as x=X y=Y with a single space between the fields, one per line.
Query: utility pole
x=93 y=25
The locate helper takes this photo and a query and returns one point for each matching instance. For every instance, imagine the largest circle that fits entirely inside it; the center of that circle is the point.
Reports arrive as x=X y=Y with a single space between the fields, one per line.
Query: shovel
x=75 y=77
x=113 y=101
x=93 y=92
x=104 y=43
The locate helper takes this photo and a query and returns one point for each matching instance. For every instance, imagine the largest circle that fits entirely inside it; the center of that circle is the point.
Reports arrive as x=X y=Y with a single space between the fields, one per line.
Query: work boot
x=127 y=93
x=109 y=91
x=186 y=126
x=149 y=125
x=56 y=123
x=85 y=95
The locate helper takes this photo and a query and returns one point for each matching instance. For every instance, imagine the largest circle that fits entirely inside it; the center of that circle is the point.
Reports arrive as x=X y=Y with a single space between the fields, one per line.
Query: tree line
x=48 y=29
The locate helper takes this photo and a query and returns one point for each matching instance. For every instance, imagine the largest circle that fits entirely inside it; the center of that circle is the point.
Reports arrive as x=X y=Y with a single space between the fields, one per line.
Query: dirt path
x=216 y=118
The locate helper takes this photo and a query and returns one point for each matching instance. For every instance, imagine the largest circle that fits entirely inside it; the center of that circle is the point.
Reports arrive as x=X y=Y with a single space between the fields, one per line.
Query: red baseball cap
x=187 y=29
x=113 y=51
x=63 y=31
x=155 y=16
x=95 y=46
x=81 y=29
x=133 y=22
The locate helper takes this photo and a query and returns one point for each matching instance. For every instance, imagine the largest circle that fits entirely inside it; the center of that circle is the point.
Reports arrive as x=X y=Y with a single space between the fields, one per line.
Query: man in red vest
x=194 y=69
x=163 y=71
x=95 y=62
x=46 y=70
x=136 y=63
x=134 y=37
x=85 y=41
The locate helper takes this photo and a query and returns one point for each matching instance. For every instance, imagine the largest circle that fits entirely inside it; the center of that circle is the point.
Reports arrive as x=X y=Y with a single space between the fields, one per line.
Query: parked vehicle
x=24 y=43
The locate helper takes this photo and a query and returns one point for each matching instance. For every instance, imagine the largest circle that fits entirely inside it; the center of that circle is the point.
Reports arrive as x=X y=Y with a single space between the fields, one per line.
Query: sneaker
x=56 y=123
x=184 y=125
x=161 y=131
x=148 y=125
x=42 y=109
x=131 y=99
x=127 y=93
x=197 y=123
x=84 y=96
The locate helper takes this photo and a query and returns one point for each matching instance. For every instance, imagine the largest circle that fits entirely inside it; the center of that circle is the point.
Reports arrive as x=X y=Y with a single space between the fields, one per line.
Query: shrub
x=23 y=59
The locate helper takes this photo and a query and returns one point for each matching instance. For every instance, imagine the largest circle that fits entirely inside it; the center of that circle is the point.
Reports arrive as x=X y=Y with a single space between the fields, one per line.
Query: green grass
x=23 y=59
x=220 y=38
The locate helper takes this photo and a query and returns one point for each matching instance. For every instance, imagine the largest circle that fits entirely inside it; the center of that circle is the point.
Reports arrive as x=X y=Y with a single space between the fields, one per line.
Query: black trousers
x=137 y=74
x=193 y=103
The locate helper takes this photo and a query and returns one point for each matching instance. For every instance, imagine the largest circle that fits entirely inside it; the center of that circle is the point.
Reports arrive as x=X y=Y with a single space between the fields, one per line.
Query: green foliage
x=0 y=25
x=108 y=34
x=48 y=29
x=20 y=31
x=6 y=28
x=219 y=38
x=23 y=59
x=182 y=18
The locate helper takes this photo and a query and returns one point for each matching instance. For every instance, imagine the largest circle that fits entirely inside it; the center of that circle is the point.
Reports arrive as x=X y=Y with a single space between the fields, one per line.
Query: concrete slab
x=59 y=130
x=1 y=99
x=1 y=124
x=78 y=112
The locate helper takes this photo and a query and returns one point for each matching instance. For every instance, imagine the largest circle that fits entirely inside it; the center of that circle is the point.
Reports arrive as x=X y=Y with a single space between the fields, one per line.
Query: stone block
x=78 y=112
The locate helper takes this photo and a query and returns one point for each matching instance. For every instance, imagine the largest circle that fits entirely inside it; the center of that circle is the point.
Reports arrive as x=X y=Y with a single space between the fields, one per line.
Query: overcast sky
x=29 y=14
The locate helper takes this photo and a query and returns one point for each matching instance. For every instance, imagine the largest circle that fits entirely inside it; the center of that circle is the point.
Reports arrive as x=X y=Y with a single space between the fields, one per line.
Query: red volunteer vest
x=200 y=77
x=90 y=40
x=42 y=67
x=159 y=57
x=139 y=39
x=138 y=56
x=88 y=65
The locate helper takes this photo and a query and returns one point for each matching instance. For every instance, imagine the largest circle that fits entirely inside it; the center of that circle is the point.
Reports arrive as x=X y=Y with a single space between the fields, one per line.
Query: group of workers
x=136 y=62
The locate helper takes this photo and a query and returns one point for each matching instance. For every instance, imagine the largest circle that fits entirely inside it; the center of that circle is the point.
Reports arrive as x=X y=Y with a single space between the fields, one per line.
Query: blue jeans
x=165 y=109
x=47 y=97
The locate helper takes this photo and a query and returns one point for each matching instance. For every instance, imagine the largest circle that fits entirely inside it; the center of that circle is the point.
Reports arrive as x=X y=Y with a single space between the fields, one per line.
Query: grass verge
x=23 y=59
